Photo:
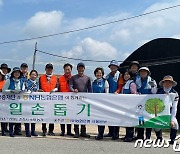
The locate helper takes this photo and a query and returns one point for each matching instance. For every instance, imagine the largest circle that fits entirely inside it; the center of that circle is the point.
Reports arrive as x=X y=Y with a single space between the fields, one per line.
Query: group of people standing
x=135 y=80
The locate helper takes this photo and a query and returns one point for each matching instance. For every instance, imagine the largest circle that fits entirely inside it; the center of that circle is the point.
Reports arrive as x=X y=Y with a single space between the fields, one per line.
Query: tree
x=154 y=106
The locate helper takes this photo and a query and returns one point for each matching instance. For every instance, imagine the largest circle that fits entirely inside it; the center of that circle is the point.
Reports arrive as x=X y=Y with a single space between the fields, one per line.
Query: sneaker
x=70 y=134
x=17 y=133
x=76 y=135
x=51 y=134
x=34 y=134
x=44 y=134
x=171 y=142
x=128 y=140
x=98 y=137
x=108 y=135
x=62 y=134
x=12 y=135
x=85 y=135
x=28 y=135
x=115 y=137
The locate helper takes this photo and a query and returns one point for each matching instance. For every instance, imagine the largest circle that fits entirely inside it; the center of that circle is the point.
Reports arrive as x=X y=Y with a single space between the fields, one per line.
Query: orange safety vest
x=63 y=85
x=48 y=86
x=2 y=84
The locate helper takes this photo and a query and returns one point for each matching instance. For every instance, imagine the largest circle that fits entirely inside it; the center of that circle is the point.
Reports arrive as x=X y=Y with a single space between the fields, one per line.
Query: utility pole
x=34 y=56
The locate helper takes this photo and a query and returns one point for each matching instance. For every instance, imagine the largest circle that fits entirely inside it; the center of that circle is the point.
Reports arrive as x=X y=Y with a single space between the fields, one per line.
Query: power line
x=78 y=59
x=107 y=61
x=90 y=27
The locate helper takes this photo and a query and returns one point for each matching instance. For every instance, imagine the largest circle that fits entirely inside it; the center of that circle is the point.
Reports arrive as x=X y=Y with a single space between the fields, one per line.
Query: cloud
x=176 y=36
x=131 y=34
x=92 y=49
x=114 y=41
x=1 y=3
x=43 y=23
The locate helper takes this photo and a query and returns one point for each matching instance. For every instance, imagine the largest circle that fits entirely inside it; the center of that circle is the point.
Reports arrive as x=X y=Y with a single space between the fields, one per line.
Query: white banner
x=126 y=110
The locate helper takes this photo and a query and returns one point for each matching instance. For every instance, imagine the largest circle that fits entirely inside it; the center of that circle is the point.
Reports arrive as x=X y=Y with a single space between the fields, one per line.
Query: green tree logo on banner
x=154 y=106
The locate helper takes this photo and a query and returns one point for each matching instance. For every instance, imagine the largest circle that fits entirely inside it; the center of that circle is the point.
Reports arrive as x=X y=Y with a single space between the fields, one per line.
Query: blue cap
x=16 y=69
x=114 y=62
x=81 y=64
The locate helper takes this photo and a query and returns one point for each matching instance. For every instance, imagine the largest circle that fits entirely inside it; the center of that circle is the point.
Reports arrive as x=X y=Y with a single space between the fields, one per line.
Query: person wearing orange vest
x=48 y=83
x=64 y=87
x=2 y=82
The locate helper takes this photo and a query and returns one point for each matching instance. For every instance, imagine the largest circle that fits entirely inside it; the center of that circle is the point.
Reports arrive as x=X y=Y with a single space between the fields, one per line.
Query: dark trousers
x=101 y=131
x=3 y=128
x=51 y=127
x=83 y=129
x=27 y=129
x=173 y=134
x=13 y=128
x=114 y=131
x=68 y=128
x=129 y=132
x=140 y=133
x=6 y=126
x=17 y=128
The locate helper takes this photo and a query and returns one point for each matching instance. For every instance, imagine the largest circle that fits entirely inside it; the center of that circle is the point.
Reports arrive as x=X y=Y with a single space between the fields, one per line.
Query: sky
x=20 y=19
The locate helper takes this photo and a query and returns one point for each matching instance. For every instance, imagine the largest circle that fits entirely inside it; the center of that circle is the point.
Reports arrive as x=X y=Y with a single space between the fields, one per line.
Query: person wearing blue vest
x=113 y=78
x=32 y=86
x=145 y=85
x=14 y=85
x=100 y=85
x=24 y=78
x=134 y=67
x=129 y=87
x=167 y=85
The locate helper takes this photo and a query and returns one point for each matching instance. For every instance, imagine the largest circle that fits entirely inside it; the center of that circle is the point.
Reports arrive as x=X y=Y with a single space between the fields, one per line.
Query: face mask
x=167 y=89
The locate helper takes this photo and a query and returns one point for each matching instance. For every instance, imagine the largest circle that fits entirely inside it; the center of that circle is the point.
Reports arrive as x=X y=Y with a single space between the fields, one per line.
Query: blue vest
x=113 y=82
x=12 y=84
x=126 y=88
x=24 y=78
x=98 y=86
x=32 y=86
x=143 y=89
x=136 y=77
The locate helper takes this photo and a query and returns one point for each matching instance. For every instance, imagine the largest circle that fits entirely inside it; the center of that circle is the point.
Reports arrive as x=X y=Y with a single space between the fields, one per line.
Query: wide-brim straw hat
x=168 y=78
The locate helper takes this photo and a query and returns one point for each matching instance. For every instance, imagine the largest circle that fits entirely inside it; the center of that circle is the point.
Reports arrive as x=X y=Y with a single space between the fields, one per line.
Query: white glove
x=54 y=90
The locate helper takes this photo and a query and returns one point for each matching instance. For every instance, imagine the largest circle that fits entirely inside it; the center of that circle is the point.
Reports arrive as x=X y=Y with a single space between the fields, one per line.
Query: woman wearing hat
x=145 y=85
x=14 y=85
x=113 y=80
x=2 y=82
x=167 y=85
x=6 y=70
